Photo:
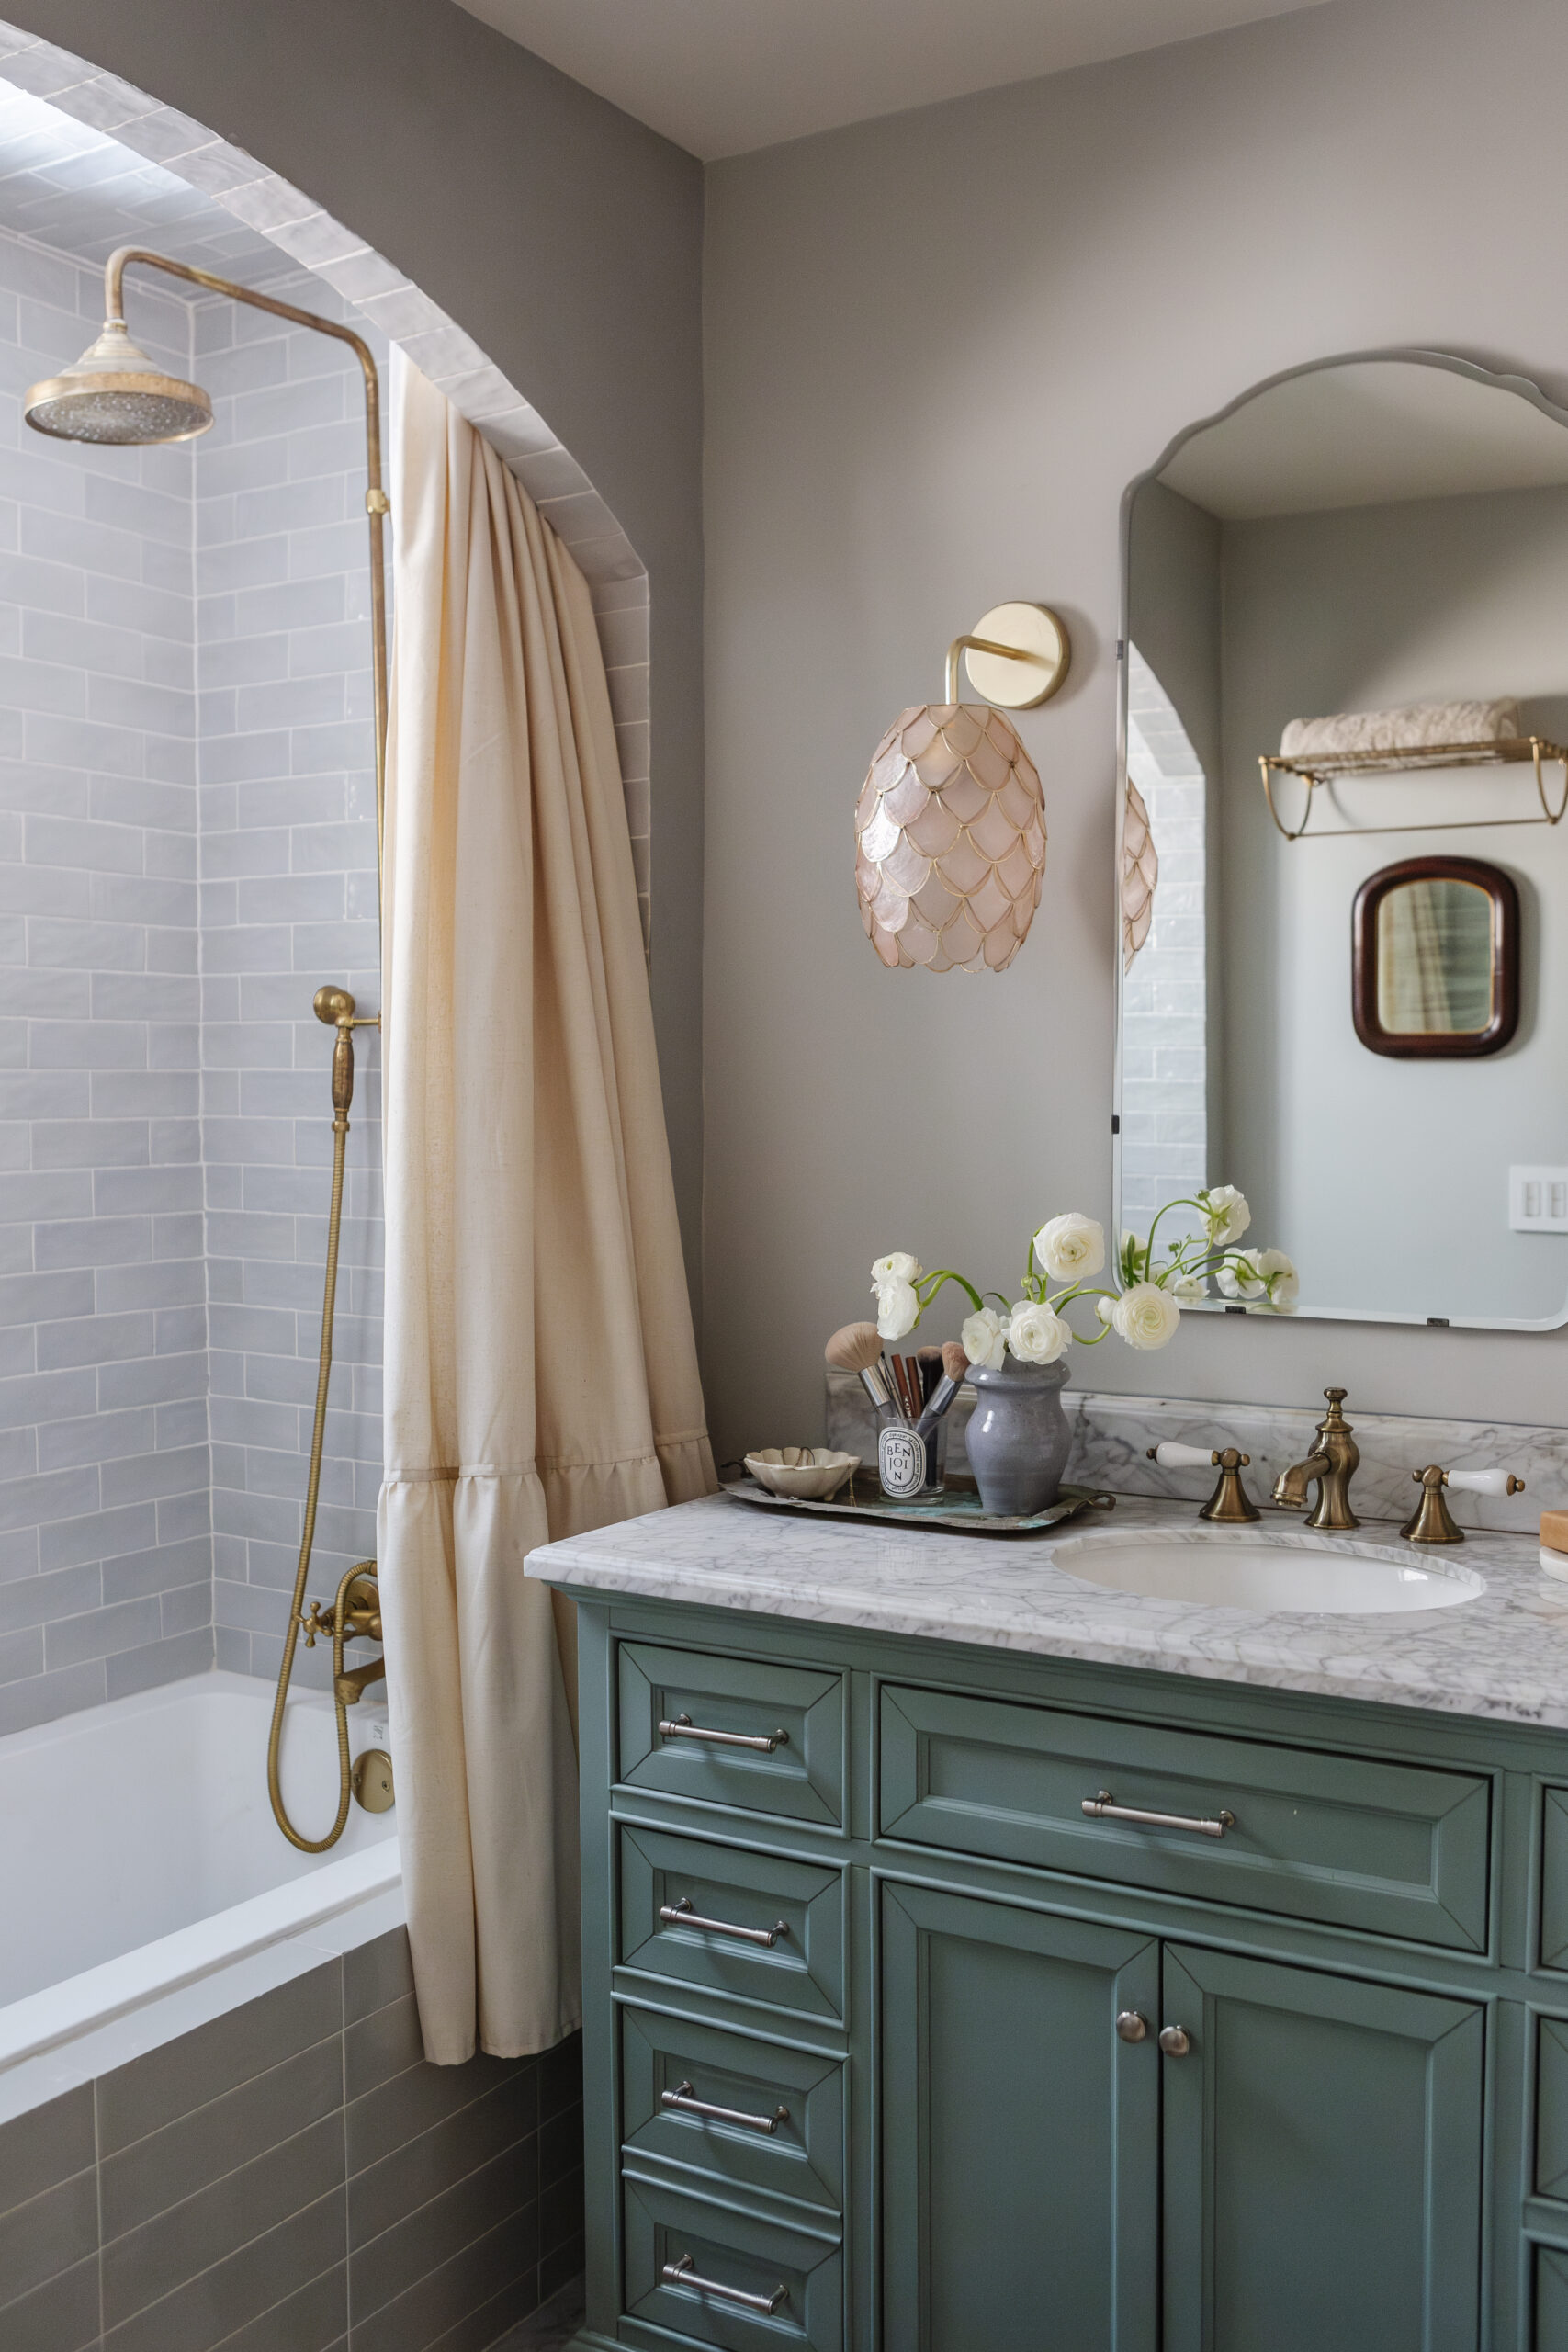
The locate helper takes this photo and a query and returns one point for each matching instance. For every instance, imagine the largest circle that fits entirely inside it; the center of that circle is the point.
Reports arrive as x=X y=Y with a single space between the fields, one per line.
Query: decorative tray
x=959 y=1512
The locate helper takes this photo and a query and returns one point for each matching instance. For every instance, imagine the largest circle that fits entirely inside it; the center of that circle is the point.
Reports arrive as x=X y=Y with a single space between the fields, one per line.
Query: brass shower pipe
x=115 y=393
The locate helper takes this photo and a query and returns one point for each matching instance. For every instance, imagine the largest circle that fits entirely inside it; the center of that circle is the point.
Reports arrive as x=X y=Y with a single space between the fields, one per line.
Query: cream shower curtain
x=540 y=1372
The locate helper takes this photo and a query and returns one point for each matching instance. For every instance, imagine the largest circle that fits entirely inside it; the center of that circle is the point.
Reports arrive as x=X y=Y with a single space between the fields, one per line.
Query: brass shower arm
x=376 y=501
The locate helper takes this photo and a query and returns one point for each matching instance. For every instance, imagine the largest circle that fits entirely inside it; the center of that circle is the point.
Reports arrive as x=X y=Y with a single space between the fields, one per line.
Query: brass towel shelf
x=1507 y=751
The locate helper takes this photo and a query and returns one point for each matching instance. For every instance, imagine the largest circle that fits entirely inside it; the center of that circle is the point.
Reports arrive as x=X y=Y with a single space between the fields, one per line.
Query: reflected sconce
x=1140 y=875
x=950 y=828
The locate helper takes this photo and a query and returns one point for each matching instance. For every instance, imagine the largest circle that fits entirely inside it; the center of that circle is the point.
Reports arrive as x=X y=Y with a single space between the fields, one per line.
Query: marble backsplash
x=1112 y=1435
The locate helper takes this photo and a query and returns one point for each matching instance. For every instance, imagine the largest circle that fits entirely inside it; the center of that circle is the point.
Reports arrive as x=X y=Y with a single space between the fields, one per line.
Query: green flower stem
x=928 y=1286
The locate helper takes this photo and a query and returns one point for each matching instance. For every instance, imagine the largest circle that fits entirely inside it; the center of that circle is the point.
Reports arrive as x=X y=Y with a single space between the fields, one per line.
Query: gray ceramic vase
x=1018 y=1436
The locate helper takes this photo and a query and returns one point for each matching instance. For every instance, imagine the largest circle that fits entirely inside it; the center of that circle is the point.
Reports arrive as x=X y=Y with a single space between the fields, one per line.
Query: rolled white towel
x=1416 y=728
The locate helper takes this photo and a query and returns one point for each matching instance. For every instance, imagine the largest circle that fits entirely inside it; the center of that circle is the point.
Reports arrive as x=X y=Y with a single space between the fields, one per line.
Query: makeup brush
x=901 y=1382
x=930 y=1363
x=954 y=1372
x=858 y=1349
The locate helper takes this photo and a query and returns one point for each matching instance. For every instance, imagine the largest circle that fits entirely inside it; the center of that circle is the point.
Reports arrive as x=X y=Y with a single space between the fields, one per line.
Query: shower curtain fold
x=540 y=1370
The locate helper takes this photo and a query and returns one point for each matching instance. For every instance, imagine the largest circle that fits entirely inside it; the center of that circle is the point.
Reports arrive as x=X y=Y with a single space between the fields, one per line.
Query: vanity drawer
x=670 y=2227
x=780 y=2121
x=757 y=1926
x=1554 y=1879
x=1550 y=2171
x=1356 y=1842
x=1550 y=2332
x=710 y=1708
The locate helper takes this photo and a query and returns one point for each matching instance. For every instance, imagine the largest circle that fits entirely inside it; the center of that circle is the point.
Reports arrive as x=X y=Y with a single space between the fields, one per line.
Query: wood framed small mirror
x=1435 y=959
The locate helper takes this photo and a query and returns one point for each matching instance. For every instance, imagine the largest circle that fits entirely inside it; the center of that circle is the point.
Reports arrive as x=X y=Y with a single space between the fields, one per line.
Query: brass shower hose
x=356 y=1610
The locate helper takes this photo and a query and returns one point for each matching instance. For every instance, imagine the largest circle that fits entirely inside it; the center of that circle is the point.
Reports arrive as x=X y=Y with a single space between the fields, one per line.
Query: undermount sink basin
x=1305 y=1574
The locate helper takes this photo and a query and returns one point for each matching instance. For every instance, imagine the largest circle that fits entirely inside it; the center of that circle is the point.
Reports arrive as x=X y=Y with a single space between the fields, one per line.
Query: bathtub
x=139 y=1855
x=217 y=2122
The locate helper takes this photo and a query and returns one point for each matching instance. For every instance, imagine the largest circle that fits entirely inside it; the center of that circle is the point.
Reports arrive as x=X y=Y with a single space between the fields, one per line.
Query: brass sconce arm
x=980 y=645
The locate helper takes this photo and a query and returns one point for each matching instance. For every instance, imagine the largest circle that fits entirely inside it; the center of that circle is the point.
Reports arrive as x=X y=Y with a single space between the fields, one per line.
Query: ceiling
x=1368 y=434
x=721 y=77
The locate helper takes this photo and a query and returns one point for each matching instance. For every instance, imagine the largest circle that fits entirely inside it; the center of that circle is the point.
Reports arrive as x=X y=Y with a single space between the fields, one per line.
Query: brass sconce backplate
x=1029 y=631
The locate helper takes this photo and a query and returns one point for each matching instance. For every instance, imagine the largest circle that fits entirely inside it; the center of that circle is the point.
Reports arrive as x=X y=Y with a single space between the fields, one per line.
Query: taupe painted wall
x=939 y=347
x=566 y=239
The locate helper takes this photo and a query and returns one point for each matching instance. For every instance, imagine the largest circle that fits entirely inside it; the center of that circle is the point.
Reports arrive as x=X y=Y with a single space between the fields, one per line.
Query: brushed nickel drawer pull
x=684 y=2274
x=684 y=1729
x=684 y=2097
x=1100 y=1808
x=681 y=1915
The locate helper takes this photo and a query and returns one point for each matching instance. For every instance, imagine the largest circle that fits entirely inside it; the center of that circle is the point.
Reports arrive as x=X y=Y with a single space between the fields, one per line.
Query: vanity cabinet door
x=1019 y=2133
x=1322 y=2162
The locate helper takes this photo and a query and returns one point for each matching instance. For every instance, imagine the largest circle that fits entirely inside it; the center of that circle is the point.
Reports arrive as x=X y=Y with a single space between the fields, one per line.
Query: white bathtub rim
x=107 y=2049
x=79 y=2005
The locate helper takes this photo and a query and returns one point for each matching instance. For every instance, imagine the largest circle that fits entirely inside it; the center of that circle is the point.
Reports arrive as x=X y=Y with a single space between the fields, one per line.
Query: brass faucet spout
x=1330 y=1466
x=1290 y=1486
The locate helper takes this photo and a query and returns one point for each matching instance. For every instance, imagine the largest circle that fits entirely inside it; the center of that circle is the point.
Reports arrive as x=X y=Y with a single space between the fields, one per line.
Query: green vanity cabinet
x=893 y=2046
x=1020 y=2134
x=1322 y=2142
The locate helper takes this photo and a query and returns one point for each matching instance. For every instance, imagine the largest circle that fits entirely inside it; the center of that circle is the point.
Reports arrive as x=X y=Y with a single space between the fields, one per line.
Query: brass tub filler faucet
x=1331 y=1466
x=116 y=395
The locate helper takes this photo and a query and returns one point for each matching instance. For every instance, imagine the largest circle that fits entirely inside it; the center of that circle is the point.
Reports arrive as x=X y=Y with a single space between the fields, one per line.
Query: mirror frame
x=1498 y=380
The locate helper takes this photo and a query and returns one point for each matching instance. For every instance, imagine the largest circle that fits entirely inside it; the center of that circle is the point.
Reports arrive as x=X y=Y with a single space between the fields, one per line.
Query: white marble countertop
x=1502 y=1654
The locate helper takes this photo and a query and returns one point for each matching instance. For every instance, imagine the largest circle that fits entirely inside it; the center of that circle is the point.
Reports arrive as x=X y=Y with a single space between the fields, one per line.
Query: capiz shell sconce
x=951 y=841
x=950 y=828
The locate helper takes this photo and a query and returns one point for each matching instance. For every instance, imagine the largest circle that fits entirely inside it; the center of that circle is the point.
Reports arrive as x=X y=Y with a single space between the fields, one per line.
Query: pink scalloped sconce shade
x=950 y=840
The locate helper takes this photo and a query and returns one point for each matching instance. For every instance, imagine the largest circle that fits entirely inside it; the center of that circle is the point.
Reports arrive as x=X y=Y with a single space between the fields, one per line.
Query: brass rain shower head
x=116 y=394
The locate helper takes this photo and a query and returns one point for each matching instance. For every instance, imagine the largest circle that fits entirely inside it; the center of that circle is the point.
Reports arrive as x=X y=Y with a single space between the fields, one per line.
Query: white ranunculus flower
x=897 y=1309
x=1146 y=1316
x=897 y=1267
x=1235 y=1285
x=1188 y=1289
x=1036 y=1333
x=1280 y=1273
x=1105 y=1308
x=1071 y=1247
x=1228 y=1214
x=985 y=1339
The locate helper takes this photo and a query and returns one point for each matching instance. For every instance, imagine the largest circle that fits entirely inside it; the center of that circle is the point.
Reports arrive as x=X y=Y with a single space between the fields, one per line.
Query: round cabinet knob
x=1175 y=2040
x=1131 y=2026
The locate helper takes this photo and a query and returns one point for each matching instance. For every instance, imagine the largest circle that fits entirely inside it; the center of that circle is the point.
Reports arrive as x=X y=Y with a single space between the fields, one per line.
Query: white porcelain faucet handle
x=1174 y=1456
x=1485 y=1482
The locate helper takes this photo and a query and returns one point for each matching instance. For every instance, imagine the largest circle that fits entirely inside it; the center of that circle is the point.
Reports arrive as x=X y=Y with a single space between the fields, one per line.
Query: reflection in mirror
x=1345 y=611
x=1434 y=960
x=1435 y=952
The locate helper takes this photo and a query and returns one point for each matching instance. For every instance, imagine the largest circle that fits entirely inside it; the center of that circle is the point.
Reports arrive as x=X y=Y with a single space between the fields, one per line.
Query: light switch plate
x=1538 y=1200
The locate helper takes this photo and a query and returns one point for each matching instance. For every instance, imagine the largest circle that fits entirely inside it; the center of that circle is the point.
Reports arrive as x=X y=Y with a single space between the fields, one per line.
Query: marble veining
x=1112 y=1435
x=1501 y=1656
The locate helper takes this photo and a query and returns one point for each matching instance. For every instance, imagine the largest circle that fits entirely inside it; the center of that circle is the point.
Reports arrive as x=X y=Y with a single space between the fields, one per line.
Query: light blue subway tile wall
x=106 y=1549
x=289 y=893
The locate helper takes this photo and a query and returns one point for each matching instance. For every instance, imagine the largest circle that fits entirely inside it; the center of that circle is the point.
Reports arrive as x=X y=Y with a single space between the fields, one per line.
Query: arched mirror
x=1343 y=865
